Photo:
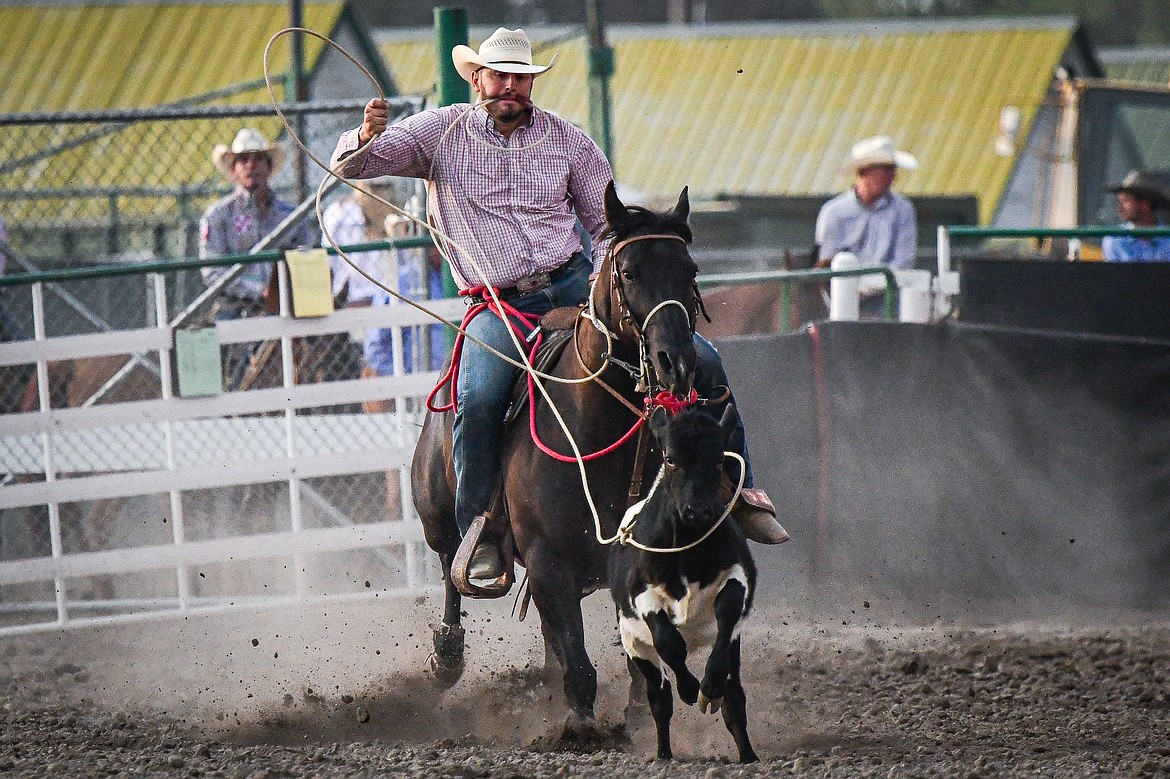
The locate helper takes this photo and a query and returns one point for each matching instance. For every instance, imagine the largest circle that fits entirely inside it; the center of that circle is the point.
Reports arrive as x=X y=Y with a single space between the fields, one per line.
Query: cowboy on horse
x=507 y=183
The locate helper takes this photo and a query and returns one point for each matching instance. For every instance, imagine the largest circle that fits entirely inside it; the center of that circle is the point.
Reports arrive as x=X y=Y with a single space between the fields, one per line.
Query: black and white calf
x=684 y=591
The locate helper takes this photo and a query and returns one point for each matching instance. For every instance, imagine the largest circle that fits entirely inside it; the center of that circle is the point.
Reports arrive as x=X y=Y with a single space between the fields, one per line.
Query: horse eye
x=669 y=461
x=627 y=275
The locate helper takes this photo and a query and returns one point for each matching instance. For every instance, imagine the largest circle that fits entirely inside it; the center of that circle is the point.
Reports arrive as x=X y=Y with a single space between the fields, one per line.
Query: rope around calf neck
x=625 y=532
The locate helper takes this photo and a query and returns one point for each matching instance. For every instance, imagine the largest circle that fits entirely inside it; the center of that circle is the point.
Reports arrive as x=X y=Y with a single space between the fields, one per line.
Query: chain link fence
x=94 y=189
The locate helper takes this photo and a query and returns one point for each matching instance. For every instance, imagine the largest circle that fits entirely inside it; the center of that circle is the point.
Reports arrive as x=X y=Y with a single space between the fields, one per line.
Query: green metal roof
x=772 y=109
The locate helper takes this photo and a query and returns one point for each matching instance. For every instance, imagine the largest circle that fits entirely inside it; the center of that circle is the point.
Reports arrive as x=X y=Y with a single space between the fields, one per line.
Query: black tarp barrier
x=1111 y=298
x=962 y=459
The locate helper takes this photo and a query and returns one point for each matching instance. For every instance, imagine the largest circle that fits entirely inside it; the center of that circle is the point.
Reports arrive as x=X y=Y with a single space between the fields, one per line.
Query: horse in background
x=754 y=309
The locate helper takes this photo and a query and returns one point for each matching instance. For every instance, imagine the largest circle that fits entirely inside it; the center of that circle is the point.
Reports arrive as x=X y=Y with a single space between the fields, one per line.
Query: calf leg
x=728 y=611
x=660 y=698
x=735 y=710
x=672 y=648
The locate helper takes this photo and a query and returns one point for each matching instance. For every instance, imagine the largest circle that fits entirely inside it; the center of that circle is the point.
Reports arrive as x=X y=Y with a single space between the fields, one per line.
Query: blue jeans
x=710 y=377
x=485 y=384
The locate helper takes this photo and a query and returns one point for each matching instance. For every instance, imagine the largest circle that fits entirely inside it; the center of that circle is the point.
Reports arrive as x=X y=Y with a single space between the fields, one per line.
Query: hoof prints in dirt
x=997 y=702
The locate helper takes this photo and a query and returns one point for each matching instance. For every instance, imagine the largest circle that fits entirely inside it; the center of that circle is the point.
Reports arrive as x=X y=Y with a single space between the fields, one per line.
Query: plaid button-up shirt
x=511 y=203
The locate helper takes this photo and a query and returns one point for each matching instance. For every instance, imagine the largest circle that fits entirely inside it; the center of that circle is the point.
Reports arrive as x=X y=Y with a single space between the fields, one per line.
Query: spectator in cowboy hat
x=1139 y=197
x=236 y=223
x=870 y=220
x=521 y=230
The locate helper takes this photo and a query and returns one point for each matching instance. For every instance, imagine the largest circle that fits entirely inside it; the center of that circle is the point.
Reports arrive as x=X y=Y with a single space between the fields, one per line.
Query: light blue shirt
x=378 y=349
x=1129 y=248
x=885 y=233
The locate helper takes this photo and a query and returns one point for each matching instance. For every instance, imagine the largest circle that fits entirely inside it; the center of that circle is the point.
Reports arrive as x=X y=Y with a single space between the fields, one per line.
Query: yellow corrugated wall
x=59 y=58
x=776 y=114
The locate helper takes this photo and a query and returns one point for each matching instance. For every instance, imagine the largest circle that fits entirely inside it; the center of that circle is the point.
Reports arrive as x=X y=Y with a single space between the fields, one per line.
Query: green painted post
x=450 y=31
x=600 y=69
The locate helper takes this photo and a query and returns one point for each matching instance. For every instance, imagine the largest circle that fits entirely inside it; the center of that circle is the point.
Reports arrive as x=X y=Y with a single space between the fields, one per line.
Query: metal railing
x=946 y=232
x=789 y=277
x=190 y=263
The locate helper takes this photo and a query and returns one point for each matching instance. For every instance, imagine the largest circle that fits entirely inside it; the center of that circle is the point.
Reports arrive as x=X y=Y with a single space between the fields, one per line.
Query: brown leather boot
x=756 y=517
x=486 y=562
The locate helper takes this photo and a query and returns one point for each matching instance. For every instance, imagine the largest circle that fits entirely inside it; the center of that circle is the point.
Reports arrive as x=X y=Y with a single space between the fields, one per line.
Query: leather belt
x=538 y=281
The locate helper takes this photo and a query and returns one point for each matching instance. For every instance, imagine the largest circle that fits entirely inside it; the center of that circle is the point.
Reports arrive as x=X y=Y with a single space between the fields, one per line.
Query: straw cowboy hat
x=878 y=150
x=507 y=51
x=1143 y=185
x=246 y=140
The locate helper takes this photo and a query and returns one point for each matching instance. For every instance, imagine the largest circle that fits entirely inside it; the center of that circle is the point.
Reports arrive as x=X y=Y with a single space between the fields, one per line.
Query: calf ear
x=659 y=422
x=728 y=422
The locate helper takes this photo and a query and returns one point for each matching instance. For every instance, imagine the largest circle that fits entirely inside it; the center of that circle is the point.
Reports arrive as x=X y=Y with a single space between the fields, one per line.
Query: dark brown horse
x=647 y=267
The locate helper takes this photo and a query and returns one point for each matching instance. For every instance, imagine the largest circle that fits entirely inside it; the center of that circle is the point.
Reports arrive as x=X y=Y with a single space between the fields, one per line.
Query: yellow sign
x=312 y=290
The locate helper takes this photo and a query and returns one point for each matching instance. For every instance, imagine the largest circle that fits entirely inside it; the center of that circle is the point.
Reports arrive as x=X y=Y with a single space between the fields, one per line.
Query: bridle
x=621 y=313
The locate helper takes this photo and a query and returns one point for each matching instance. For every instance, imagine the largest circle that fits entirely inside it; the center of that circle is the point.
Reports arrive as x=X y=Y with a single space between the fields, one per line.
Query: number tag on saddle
x=533 y=283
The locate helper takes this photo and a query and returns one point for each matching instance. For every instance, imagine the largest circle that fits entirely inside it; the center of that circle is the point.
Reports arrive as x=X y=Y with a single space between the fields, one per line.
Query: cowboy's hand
x=823 y=263
x=374 y=119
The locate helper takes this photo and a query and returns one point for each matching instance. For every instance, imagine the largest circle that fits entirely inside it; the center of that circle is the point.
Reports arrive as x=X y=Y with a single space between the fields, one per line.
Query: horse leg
x=735 y=710
x=553 y=664
x=557 y=596
x=661 y=700
x=636 y=711
x=446 y=662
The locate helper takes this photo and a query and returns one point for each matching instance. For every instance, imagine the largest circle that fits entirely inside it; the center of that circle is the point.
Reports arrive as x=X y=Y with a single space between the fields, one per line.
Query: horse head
x=645 y=292
x=692 y=445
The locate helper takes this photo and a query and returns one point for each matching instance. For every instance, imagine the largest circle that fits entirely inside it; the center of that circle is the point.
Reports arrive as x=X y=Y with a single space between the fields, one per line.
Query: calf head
x=692 y=445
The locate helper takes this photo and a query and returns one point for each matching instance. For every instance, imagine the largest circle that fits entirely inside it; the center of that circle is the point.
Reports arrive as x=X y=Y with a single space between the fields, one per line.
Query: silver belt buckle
x=533 y=283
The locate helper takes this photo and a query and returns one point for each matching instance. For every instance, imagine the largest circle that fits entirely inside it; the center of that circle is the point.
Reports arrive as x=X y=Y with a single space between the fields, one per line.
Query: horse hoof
x=709 y=705
x=445 y=672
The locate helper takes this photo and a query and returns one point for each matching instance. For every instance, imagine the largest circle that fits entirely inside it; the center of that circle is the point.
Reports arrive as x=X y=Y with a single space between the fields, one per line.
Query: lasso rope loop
x=625 y=531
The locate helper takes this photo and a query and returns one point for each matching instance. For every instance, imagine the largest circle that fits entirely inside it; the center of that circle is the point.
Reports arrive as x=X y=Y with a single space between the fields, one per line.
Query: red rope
x=451 y=377
x=664 y=399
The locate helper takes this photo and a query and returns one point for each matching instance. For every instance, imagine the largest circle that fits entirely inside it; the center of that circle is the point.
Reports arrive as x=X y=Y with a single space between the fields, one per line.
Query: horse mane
x=643 y=220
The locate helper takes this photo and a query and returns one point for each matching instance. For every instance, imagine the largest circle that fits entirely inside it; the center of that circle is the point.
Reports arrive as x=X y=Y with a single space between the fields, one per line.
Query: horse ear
x=728 y=422
x=682 y=209
x=659 y=422
x=616 y=212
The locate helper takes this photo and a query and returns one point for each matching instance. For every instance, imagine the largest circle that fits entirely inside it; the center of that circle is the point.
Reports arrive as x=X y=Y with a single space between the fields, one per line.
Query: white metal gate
x=166 y=505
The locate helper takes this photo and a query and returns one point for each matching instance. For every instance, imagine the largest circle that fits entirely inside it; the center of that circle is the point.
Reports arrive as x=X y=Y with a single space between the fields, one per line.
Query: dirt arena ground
x=339 y=691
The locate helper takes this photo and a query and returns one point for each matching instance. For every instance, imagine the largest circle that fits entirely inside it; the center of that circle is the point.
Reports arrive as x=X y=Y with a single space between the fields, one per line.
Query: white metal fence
x=158 y=504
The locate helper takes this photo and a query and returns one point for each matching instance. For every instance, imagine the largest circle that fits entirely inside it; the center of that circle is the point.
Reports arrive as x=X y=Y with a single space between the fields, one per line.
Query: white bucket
x=844 y=291
x=914 y=305
x=915 y=300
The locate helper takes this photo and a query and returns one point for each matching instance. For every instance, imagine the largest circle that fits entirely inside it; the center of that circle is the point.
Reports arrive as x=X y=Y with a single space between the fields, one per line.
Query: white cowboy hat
x=878 y=150
x=246 y=140
x=508 y=51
